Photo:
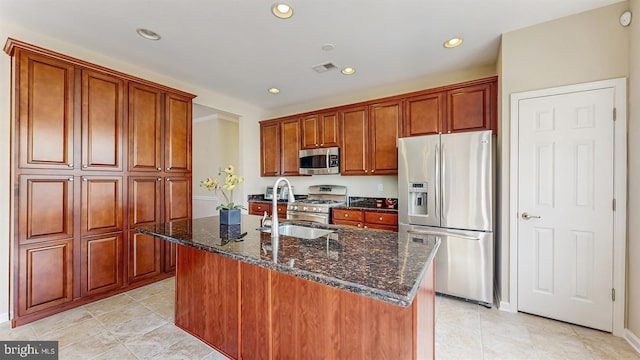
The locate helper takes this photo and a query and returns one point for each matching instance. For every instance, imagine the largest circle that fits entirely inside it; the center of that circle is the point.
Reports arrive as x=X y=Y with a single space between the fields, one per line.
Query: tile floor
x=139 y=325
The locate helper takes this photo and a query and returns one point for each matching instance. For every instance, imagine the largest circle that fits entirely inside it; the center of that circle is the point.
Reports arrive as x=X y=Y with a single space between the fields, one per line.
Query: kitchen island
x=350 y=294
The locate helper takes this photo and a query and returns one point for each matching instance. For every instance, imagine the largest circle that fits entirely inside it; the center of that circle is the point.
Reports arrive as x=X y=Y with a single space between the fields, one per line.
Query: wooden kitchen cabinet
x=290 y=150
x=270 y=148
x=177 y=146
x=47 y=274
x=366 y=219
x=145 y=128
x=258 y=208
x=354 y=123
x=45 y=90
x=385 y=123
x=102 y=121
x=319 y=130
x=470 y=108
x=102 y=263
x=90 y=144
x=424 y=114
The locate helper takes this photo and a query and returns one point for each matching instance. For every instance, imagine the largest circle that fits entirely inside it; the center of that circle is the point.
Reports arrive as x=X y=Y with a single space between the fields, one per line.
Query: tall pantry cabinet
x=95 y=153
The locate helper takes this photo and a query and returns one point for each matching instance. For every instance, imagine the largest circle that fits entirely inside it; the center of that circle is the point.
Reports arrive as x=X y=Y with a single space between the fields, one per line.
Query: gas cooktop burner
x=312 y=201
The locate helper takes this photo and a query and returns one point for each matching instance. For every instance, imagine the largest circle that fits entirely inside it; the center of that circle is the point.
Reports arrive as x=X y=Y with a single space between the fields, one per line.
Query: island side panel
x=311 y=319
x=255 y=313
x=424 y=307
x=207 y=296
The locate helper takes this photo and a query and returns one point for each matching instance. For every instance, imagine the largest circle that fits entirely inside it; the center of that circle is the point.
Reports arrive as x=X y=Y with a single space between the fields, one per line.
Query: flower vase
x=229 y=217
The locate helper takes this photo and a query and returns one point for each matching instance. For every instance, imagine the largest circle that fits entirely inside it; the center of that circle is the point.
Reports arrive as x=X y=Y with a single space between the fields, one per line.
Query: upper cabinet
x=177 y=149
x=45 y=111
x=279 y=147
x=319 y=130
x=367 y=132
x=145 y=128
x=470 y=108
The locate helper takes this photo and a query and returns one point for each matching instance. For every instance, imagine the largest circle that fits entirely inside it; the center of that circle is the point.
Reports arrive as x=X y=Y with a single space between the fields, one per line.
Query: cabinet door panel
x=45 y=112
x=354 y=138
x=144 y=256
x=177 y=133
x=270 y=149
x=290 y=140
x=256 y=208
x=145 y=128
x=144 y=200
x=101 y=204
x=329 y=129
x=177 y=203
x=102 y=121
x=101 y=263
x=384 y=126
x=424 y=115
x=309 y=127
x=45 y=275
x=469 y=108
x=45 y=208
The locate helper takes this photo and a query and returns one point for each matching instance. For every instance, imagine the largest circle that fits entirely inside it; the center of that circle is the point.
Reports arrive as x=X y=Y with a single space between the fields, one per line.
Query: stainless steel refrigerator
x=445 y=190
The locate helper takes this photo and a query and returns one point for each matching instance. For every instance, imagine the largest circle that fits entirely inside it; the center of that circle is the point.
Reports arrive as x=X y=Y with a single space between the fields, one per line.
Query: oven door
x=308 y=216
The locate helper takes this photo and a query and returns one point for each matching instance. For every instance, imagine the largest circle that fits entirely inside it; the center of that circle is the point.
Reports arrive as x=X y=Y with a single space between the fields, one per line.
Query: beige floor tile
x=215 y=356
x=167 y=311
x=190 y=348
x=74 y=332
x=146 y=291
x=155 y=341
x=137 y=326
x=62 y=320
x=165 y=297
x=109 y=304
x=24 y=332
x=89 y=347
x=119 y=352
x=123 y=314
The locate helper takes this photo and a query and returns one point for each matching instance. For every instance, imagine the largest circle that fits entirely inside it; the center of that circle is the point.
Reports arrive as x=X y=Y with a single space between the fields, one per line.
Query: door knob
x=529 y=217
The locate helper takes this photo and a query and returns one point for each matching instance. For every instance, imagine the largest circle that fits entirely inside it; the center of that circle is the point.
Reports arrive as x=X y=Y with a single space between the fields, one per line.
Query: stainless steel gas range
x=317 y=206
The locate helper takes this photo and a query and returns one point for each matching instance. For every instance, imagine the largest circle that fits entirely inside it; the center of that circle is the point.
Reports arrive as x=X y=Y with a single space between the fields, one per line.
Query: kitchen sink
x=302 y=232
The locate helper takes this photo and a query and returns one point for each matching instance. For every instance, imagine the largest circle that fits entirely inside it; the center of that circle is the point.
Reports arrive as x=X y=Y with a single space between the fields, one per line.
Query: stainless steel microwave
x=320 y=161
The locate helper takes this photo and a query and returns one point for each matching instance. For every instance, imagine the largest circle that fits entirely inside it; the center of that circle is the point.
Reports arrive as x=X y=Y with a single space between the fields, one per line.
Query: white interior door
x=565 y=207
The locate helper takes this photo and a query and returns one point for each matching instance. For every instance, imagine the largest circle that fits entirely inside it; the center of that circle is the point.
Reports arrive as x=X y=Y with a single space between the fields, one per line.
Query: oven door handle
x=300 y=215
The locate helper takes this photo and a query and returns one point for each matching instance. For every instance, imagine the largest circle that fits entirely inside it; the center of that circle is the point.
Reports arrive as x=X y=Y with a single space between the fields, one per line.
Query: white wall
x=581 y=48
x=633 y=245
x=215 y=146
x=249 y=115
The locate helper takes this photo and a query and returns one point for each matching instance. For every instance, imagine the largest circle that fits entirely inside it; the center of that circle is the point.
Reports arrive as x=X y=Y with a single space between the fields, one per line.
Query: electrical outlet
x=380 y=187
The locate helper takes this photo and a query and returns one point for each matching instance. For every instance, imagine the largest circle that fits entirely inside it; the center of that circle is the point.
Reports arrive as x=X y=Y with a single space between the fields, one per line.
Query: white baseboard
x=632 y=339
x=506 y=306
x=4 y=317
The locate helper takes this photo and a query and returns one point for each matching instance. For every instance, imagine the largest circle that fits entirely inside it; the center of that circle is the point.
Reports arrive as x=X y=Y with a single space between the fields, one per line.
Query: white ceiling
x=237 y=47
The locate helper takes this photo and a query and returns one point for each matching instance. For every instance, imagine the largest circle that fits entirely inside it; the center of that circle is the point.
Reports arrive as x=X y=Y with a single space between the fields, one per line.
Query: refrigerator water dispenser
x=418 y=199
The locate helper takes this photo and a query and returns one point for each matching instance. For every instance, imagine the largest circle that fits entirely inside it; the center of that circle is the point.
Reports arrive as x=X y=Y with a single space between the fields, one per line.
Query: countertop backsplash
x=373 y=203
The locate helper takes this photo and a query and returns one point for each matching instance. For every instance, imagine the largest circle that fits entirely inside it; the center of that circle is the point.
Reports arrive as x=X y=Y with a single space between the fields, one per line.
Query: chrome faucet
x=274 y=212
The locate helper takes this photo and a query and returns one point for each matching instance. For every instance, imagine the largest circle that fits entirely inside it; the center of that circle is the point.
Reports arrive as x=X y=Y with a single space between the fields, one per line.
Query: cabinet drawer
x=259 y=208
x=346 y=214
x=347 y=223
x=372 y=217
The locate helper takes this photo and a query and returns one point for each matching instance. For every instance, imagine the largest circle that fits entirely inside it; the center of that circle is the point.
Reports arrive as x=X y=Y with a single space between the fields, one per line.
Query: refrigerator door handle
x=436 y=188
x=442 y=233
x=443 y=182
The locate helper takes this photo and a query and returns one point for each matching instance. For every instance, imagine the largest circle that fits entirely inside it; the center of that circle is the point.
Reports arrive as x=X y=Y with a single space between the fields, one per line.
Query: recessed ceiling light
x=348 y=71
x=148 y=34
x=274 y=90
x=453 y=42
x=328 y=47
x=282 y=11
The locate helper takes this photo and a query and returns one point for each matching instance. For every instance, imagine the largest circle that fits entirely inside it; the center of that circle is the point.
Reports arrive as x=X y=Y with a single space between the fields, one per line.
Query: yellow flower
x=231 y=181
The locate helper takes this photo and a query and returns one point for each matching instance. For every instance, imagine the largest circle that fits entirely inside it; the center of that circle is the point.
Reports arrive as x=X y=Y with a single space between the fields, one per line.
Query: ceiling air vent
x=324 y=67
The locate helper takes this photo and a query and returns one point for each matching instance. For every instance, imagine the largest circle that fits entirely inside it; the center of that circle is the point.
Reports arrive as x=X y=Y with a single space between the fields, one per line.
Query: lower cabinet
x=46 y=271
x=144 y=256
x=366 y=219
x=102 y=263
x=258 y=208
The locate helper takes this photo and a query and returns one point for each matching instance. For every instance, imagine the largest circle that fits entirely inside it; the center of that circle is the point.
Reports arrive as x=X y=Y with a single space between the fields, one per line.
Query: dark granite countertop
x=384 y=265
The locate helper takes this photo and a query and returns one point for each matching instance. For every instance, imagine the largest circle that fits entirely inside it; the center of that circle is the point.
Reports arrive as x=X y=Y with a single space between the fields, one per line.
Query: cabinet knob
x=359 y=225
x=365 y=226
x=169 y=168
x=84 y=166
x=159 y=179
x=366 y=171
x=70 y=165
x=372 y=171
x=70 y=179
x=159 y=169
x=380 y=218
x=85 y=179
x=346 y=215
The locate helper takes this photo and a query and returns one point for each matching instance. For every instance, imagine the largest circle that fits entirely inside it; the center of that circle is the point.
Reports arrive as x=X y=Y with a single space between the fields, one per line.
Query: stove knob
x=304 y=208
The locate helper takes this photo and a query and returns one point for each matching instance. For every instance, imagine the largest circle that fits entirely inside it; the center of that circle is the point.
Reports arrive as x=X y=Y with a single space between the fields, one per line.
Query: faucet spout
x=274 y=212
